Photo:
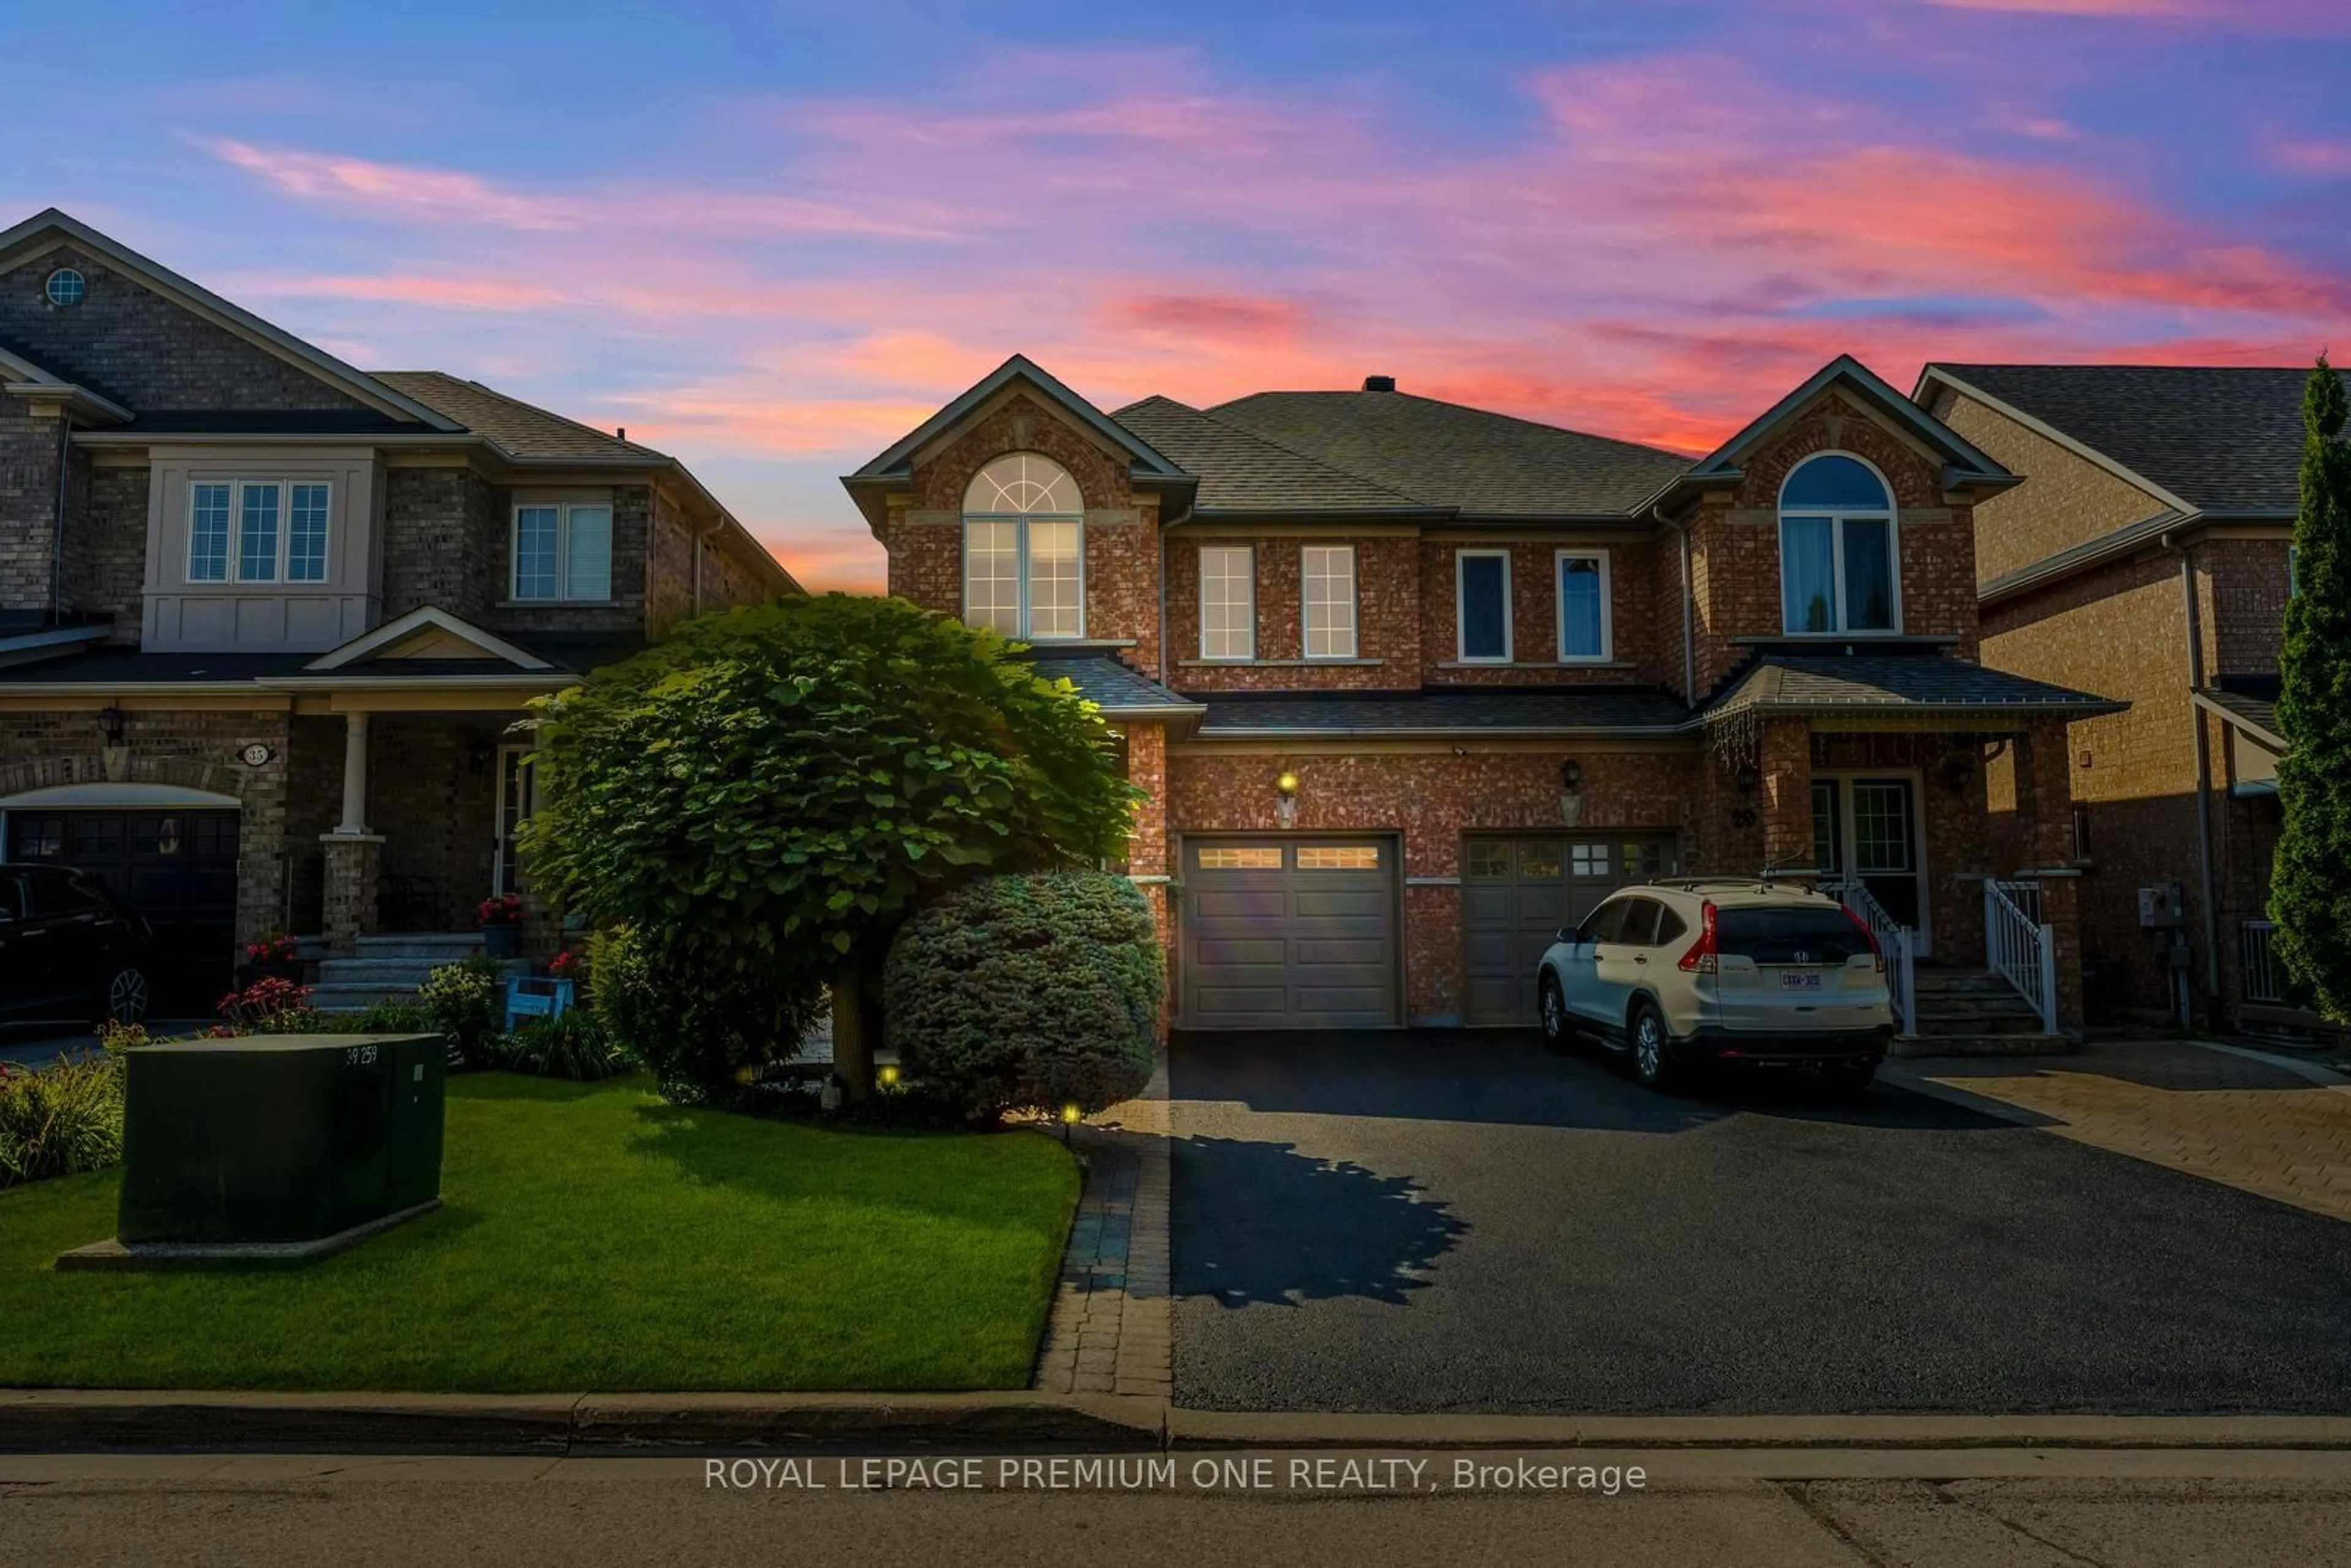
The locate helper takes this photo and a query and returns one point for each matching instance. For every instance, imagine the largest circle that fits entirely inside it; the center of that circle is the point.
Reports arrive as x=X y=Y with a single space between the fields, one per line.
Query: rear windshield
x=1771 y=936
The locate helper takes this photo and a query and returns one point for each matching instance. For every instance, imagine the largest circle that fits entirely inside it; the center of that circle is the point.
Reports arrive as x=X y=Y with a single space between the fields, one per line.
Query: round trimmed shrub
x=1027 y=990
x=700 y=1030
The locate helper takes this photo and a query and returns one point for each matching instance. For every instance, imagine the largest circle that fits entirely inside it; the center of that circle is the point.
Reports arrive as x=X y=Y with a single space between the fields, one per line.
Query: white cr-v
x=1674 y=975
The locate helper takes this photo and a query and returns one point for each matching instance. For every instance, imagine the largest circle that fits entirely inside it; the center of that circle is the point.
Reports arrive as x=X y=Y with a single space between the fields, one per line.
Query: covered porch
x=1933 y=797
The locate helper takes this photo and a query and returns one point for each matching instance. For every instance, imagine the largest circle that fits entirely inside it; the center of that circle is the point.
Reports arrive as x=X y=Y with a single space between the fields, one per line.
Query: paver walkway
x=1110 y=1328
x=2278 y=1129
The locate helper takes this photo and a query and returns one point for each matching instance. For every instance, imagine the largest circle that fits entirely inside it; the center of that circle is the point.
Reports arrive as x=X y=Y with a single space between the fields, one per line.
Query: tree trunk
x=856 y=1030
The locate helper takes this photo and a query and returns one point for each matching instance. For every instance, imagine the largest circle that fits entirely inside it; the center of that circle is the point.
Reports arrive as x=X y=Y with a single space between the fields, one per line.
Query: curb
x=607 y=1425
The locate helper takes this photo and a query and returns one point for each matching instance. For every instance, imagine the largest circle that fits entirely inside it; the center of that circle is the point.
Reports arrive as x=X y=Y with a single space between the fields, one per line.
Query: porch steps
x=1974 y=1012
x=388 y=966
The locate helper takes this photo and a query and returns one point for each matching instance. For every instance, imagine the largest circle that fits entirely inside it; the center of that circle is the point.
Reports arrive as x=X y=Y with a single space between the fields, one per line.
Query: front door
x=1866 y=826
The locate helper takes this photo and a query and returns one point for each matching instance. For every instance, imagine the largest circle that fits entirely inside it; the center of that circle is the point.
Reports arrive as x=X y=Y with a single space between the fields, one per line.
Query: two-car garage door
x=1289 y=932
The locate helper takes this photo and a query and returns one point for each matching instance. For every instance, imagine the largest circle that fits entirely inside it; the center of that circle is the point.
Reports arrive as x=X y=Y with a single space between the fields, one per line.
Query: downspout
x=1689 y=602
x=57 y=527
x=2203 y=769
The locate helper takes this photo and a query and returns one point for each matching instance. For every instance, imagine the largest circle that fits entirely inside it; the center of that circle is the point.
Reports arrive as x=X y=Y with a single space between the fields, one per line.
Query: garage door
x=178 y=868
x=1288 y=933
x=1517 y=892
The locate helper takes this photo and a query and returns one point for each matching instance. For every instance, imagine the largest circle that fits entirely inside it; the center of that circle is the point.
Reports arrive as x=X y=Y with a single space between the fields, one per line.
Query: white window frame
x=1460 y=604
x=1020 y=521
x=505 y=832
x=1891 y=516
x=1248 y=581
x=232 y=564
x=563 y=507
x=1559 y=559
x=1306 y=607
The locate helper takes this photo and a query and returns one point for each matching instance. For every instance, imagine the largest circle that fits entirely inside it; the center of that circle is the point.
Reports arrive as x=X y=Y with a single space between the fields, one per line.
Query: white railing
x=1895 y=940
x=2261 y=967
x=2020 y=950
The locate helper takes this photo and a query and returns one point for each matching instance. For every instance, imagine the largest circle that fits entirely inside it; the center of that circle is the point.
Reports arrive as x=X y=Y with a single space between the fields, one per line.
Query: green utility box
x=278 y=1138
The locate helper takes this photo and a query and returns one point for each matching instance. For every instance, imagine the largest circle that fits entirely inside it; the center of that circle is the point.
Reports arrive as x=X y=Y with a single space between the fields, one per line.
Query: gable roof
x=524 y=429
x=1964 y=462
x=1242 y=473
x=896 y=460
x=51 y=227
x=37 y=384
x=1468 y=460
x=428 y=632
x=2217 y=439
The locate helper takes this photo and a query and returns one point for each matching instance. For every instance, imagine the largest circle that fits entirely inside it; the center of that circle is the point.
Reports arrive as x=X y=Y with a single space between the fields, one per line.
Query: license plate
x=1799 y=980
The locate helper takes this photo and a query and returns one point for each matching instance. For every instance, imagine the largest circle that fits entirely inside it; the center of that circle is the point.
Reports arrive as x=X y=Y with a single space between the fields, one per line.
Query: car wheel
x=126 y=994
x=1652 y=1053
x=1558 y=1032
x=1851 y=1081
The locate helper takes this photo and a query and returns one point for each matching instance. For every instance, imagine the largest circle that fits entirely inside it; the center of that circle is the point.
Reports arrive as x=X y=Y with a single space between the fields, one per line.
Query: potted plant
x=501 y=916
x=271 y=958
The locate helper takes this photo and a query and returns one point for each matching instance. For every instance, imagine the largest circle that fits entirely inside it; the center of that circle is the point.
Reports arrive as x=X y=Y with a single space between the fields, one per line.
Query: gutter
x=2203 y=766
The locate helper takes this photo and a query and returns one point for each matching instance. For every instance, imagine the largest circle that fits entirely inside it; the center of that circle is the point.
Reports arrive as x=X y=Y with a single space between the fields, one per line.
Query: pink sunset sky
x=772 y=238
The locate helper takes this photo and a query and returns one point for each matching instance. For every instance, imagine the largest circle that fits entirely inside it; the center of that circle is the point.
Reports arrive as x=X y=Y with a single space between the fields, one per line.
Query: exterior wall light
x=110 y=722
x=1570 y=777
x=1287 y=784
x=1285 y=799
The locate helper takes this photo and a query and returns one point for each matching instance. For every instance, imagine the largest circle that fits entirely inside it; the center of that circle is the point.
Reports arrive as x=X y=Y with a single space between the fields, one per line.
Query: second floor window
x=1227 y=602
x=563 y=551
x=1837 y=566
x=258 y=530
x=1327 y=593
x=1481 y=581
x=1584 y=612
x=1024 y=549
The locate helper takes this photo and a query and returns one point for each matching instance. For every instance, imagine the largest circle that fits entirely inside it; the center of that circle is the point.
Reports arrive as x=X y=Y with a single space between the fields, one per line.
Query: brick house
x=266 y=620
x=1410 y=684
x=2148 y=557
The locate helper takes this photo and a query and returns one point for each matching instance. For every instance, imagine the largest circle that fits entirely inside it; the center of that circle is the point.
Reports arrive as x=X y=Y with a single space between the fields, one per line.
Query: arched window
x=1837 y=567
x=1024 y=549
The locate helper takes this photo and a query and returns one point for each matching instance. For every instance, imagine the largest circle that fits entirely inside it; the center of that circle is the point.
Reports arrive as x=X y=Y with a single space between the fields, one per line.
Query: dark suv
x=68 y=948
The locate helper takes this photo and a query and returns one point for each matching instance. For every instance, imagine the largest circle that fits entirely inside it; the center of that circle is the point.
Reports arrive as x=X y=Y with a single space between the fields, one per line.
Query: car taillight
x=1876 y=953
x=1700 y=959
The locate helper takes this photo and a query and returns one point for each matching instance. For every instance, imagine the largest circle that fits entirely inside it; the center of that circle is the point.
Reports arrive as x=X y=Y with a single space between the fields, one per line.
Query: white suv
x=1673 y=975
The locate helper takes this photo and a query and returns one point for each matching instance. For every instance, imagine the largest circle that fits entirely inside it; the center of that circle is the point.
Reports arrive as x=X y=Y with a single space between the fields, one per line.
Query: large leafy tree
x=772 y=792
x=2310 y=888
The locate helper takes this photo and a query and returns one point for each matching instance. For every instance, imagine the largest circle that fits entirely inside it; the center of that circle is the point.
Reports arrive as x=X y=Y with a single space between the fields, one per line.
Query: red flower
x=560 y=964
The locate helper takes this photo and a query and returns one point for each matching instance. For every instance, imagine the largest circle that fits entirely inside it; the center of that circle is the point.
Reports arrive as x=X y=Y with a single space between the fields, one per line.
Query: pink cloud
x=428 y=194
x=2325 y=159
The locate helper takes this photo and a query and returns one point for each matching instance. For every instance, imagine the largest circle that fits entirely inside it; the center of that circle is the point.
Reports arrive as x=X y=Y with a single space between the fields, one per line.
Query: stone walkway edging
x=71 y=1420
x=1110 y=1328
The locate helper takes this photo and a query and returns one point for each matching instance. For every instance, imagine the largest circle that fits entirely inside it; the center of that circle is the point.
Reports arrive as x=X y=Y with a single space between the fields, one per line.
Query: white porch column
x=355 y=763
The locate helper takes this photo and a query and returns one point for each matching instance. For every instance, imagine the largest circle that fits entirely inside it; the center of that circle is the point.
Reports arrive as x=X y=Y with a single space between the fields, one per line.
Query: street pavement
x=1467 y=1222
x=1926 y=1509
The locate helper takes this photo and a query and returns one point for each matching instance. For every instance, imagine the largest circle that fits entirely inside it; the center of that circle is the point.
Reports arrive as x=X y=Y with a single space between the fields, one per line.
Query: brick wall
x=1387 y=616
x=1737 y=545
x=29 y=506
x=106 y=545
x=445 y=542
x=2245 y=588
x=727 y=578
x=141 y=349
x=433 y=794
x=2066 y=499
x=1534 y=618
x=192 y=750
x=669 y=549
x=2120 y=631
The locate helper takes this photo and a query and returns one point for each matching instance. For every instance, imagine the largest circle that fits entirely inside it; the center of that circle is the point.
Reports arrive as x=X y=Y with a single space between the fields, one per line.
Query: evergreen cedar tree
x=1037 y=990
x=772 y=791
x=2310 y=888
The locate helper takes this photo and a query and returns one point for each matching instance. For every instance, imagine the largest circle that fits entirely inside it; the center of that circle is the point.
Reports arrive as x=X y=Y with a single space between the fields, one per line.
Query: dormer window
x=1024 y=549
x=1838 y=572
x=258 y=530
x=562 y=551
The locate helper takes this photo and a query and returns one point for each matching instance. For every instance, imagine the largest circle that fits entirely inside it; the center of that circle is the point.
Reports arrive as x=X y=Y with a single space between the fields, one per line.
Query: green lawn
x=591 y=1238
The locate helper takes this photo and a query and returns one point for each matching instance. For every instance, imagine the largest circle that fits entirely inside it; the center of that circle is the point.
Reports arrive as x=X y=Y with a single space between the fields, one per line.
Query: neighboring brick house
x=1411 y=685
x=266 y=623
x=2148 y=555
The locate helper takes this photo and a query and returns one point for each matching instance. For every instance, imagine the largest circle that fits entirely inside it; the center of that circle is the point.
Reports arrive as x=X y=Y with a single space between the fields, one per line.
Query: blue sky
x=771 y=238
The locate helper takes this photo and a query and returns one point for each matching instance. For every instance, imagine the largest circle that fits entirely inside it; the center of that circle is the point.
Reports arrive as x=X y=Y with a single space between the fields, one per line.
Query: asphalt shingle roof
x=1792 y=683
x=1102 y=679
x=2222 y=438
x=521 y=428
x=1240 y=472
x=1468 y=711
x=1445 y=454
x=2259 y=712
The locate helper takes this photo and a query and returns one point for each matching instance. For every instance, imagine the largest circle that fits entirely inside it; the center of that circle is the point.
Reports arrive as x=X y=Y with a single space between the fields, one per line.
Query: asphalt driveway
x=1466 y=1221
